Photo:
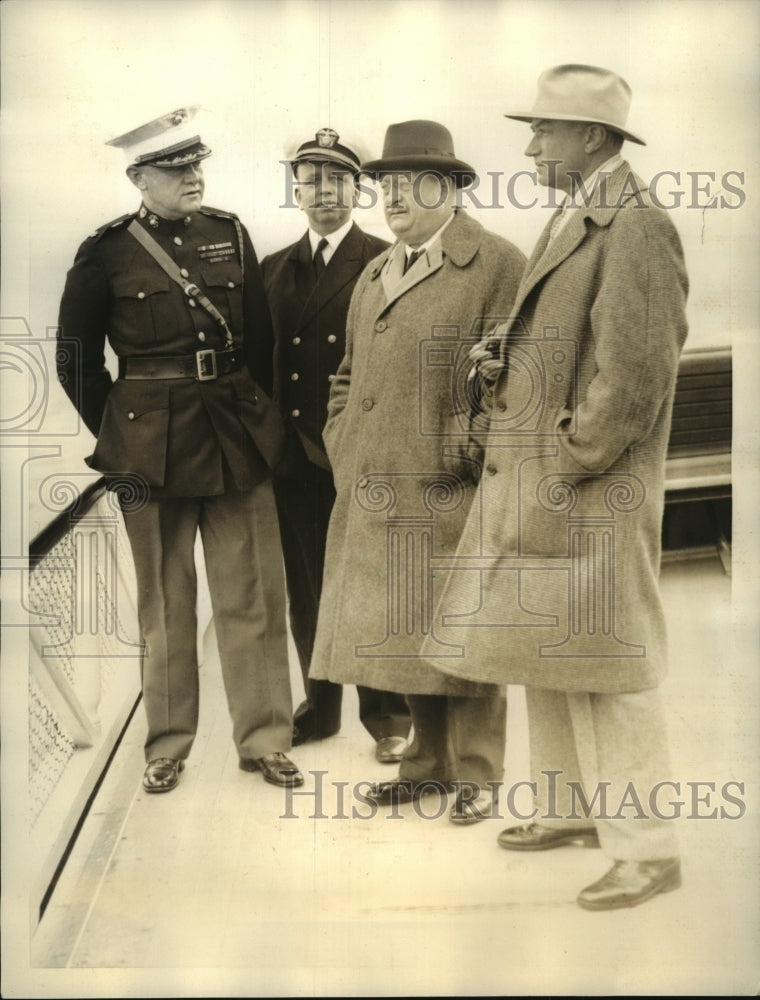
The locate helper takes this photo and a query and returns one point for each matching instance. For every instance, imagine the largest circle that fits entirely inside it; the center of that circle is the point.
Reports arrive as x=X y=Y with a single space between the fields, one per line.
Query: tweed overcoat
x=556 y=578
x=397 y=422
x=309 y=323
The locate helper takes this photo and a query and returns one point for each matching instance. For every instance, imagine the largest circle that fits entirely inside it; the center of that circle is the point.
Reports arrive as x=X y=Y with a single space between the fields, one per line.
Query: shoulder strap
x=165 y=262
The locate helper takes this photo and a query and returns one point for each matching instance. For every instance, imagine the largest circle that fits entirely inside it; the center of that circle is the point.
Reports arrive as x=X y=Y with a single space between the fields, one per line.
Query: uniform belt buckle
x=205 y=364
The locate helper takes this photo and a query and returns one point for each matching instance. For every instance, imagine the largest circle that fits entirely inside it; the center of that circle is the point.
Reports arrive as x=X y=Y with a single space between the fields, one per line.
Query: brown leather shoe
x=402 y=790
x=535 y=837
x=629 y=883
x=162 y=774
x=390 y=749
x=472 y=810
x=276 y=768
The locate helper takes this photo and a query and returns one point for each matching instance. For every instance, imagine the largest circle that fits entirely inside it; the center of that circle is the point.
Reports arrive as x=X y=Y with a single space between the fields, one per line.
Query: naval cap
x=325 y=148
x=168 y=141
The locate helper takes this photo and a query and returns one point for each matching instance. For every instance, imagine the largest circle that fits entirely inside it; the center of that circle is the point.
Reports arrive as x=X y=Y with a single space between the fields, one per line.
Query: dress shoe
x=402 y=790
x=162 y=774
x=276 y=768
x=390 y=749
x=472 y=810
x=535 y=837
x=303 y=734
x=629 y=883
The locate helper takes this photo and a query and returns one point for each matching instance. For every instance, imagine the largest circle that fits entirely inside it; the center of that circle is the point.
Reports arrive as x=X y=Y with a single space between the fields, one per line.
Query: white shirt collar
x=334 y=240
x=424 y=247
x=590 y=183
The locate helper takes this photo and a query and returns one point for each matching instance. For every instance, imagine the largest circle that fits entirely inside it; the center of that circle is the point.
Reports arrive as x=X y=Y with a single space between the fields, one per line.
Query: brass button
x=330 y=378
x=201 y=336
x=141 y=295
x=295 y=413
x=296 y=341
x=131 y=415
x=191 y=303
x=367 y=403
x=294 y=377
x=184 y=272
x=331 y=339
x=178 y=240
x=230 y=284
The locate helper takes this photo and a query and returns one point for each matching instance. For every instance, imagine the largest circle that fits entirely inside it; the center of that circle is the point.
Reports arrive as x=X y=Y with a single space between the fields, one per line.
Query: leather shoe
x=276 y=768
x=302 y=734
x=402 y=790
x=473 y=809
x=390 y=749
x=535 y=837
x=162 y=774
x=629 y=883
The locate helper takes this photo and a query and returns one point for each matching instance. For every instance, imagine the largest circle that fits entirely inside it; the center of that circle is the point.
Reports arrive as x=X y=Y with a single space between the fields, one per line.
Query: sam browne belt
x=204 y=366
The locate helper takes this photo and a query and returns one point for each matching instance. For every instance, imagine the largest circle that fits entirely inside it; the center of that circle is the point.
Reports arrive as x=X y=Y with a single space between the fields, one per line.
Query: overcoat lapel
x=608 y=197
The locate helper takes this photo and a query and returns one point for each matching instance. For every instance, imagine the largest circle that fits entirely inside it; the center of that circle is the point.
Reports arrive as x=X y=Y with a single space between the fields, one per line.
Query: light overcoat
x=556 y=578
x=397 y=419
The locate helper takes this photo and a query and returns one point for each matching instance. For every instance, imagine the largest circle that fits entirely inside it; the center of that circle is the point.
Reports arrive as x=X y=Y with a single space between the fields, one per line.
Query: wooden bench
x=698 y=466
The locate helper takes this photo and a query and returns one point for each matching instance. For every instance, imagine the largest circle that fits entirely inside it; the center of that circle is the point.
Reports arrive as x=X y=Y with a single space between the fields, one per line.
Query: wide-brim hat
x=167 y=141
x=420 y=146
x=576 y=93
x=325 y=148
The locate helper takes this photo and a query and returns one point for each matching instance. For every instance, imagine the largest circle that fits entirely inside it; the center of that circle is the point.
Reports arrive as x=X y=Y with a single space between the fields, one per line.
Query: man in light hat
x=309 y=286
x=580 y=419
x=397 y=436
x=176 y=290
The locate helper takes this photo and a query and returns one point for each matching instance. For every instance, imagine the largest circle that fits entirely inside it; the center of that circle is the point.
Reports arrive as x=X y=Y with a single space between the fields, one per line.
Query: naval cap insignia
x=177 y=117
x=327 y=137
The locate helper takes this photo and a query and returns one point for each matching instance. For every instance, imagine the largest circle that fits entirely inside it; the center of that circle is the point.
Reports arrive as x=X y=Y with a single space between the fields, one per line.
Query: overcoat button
x=141 y=295
x=367 y=403
x=296 y=341
x=131 y=415
x=363 y=483
x=491 y=470
x=502 y=405
x=295 y=413
x=230 y=284
x=331 y=339
x=294 y=377
x=380 y=326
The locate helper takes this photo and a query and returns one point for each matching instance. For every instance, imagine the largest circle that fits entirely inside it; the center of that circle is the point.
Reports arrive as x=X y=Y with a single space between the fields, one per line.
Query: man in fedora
x=397 y=437
x=579 y=494
x=309 y=286
x=176 y=290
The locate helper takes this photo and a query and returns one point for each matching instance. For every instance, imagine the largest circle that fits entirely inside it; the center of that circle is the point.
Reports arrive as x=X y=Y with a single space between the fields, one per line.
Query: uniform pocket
x=134 y=431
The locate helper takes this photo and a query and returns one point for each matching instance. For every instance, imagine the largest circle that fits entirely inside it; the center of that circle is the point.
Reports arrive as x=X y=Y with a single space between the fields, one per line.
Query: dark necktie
x=411 y=258
x=319 y=260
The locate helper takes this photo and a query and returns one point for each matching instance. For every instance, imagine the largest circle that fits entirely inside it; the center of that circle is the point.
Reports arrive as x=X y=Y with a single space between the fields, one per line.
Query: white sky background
x=269 y=73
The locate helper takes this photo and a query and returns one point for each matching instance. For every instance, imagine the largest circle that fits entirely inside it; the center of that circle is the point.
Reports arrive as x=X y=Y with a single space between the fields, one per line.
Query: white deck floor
x=209 y=891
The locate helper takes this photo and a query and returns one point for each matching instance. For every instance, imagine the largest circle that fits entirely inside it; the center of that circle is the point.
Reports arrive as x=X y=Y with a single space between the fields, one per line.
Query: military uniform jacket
x=177 y=434
x=309 y=322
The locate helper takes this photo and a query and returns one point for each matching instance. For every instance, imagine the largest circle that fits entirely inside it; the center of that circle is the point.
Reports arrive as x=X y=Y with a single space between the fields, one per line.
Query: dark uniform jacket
x=310 y=332
x=172 y=432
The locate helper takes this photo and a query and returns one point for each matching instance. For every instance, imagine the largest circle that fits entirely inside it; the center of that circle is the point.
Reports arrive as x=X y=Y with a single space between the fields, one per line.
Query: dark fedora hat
x=420 y=145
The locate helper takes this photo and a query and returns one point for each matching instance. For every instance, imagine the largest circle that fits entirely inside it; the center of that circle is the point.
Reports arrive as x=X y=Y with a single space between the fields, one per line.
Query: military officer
x=176 y=290
x=309 y=286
